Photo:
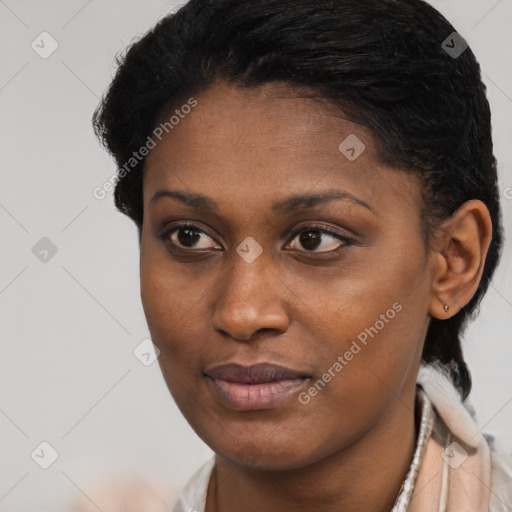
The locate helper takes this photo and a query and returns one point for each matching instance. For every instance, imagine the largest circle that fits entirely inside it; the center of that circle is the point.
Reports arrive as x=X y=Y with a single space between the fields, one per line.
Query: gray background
x=69 y=325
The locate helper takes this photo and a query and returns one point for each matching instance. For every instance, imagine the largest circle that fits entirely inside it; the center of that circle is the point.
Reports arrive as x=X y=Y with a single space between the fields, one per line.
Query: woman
x=316 y=197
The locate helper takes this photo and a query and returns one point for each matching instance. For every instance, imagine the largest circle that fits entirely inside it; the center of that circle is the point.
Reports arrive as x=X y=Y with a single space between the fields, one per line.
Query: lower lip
x=247 y=397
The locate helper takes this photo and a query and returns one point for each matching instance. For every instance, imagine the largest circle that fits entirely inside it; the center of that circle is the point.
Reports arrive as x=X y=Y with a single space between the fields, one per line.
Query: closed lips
x=255 y=374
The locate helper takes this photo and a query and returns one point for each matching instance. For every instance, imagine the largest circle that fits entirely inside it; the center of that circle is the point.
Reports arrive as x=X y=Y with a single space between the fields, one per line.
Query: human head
x=380 y=61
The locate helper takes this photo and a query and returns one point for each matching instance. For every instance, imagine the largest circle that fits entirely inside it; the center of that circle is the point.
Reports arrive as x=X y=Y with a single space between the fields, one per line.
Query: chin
x=265 y=452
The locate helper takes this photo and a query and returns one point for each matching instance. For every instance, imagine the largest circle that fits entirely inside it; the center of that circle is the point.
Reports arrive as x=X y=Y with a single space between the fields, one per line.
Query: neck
x=364 y=477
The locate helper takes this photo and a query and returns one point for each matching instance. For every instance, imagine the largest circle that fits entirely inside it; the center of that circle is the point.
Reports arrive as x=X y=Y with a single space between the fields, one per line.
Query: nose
x=250 y=301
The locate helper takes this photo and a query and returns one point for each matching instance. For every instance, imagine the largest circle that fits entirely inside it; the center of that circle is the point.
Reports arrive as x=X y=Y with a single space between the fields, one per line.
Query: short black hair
x=385 y=64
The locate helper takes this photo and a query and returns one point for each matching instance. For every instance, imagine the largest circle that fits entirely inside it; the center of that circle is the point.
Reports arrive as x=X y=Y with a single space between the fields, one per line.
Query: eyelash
x=347 y=241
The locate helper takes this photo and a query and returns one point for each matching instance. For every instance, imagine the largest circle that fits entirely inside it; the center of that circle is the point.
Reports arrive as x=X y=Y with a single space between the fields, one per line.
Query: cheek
x=155 y=302
x=167 y=312
x=377 y=340
x=371 y=330
x=162 y=294
x=174 y=314
x=368 y=365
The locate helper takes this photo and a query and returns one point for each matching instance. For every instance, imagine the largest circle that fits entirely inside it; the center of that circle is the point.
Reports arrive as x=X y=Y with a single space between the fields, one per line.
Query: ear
x=459 y=258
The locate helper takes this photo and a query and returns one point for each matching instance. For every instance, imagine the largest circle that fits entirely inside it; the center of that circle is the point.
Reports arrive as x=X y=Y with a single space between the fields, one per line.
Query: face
x=334 y=288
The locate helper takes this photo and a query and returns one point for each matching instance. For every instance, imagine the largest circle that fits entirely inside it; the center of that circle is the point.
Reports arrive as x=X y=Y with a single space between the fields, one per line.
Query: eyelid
x=346 y=239
x=319 y=227
x=195 y=225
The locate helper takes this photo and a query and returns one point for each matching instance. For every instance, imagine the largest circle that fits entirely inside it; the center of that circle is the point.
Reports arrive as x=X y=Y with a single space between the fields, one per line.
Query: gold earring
x=446 y=308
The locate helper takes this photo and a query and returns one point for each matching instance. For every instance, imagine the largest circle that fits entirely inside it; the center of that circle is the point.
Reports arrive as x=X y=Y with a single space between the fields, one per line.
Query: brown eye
x=319 y=240
x=189 y=236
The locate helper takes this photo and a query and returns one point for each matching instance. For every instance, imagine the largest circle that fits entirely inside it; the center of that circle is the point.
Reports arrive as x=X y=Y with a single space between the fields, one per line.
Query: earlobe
x=460 y=259
x=444 y=311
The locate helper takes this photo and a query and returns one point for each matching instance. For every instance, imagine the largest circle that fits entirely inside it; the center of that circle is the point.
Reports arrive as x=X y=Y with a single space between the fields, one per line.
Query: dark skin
x=350 y=447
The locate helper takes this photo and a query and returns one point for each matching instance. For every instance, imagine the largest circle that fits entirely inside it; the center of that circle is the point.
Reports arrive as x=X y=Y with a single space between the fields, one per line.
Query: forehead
x=268 y=142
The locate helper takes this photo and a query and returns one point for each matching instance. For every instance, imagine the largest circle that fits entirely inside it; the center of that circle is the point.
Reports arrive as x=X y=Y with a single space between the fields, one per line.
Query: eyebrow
x=288 y=205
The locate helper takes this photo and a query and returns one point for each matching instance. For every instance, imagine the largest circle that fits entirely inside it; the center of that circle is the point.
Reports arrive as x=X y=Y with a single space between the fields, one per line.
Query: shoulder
x=133 y=493
x=130 y=493
x=192 y=497
x=501 y=478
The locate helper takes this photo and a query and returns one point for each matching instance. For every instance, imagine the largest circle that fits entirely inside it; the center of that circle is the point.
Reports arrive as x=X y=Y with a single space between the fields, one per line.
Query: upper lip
x=261 y=372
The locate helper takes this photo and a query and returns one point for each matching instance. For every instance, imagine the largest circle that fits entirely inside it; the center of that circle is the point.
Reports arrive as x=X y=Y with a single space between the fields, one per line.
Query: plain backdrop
x=69 y=325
